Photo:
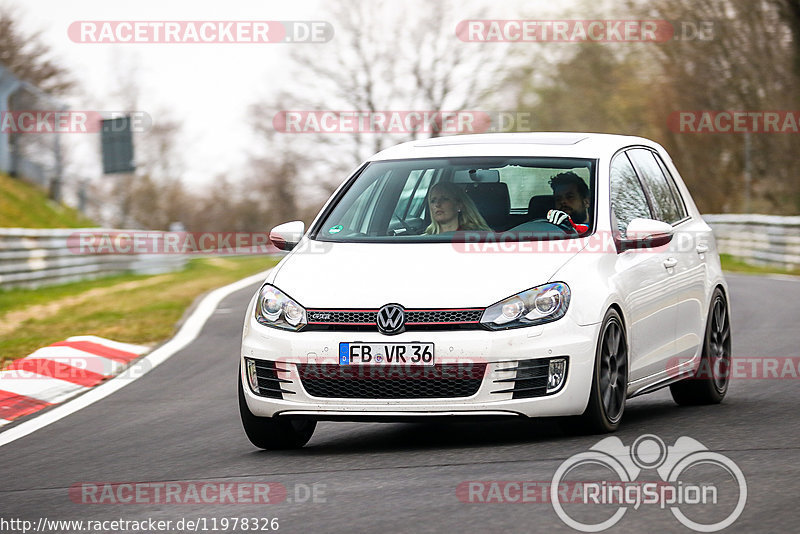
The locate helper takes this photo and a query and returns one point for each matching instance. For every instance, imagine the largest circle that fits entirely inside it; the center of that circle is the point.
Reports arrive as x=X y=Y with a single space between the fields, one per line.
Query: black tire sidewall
x=268 y=433
x=705 y=360
x=595 y=413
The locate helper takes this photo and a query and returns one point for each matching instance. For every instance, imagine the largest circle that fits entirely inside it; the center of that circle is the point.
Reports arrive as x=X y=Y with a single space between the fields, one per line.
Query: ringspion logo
x=721 y=488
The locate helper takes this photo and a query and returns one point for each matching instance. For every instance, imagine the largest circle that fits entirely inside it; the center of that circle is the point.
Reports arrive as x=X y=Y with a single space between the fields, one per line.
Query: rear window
x=526 y=182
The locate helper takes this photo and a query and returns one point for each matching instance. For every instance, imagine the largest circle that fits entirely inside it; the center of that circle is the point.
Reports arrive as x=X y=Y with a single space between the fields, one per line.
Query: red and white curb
x=187 y=333
x=61 y=371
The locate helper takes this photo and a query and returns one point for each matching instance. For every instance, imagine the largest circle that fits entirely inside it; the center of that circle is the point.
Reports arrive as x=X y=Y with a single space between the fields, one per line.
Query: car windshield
x=442 y=199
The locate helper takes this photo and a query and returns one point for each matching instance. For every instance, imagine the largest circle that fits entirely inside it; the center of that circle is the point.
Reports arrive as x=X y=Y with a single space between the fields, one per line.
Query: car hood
x=416 y=275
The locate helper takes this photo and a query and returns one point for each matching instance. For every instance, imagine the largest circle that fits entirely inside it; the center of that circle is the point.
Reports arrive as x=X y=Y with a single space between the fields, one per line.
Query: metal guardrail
x=758 y=239
x=34 y=258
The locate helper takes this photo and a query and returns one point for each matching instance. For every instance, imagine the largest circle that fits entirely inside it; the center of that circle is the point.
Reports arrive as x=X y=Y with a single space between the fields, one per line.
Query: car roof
x=544 y=144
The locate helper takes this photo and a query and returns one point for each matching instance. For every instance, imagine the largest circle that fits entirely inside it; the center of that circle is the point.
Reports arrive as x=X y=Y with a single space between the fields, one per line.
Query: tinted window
x=524 y=182
x=664 y=202
x=389 y=200
x=627 y=197
x=673 y=187
x=359 y=215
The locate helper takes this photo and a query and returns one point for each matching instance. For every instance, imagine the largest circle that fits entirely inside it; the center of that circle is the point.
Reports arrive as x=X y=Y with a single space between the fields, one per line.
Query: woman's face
x=444 y=209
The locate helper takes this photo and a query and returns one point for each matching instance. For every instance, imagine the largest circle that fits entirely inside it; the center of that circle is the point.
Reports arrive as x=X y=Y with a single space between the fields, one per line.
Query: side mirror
x=286 y=236
x=646 y=233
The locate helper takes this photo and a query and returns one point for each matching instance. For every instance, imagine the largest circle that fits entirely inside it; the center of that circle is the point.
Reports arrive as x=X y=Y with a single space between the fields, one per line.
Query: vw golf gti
x=497 y=275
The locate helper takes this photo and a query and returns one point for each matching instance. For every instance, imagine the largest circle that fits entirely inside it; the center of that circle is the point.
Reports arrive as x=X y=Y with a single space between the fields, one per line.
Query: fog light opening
x=556 y=373
x=252 y=377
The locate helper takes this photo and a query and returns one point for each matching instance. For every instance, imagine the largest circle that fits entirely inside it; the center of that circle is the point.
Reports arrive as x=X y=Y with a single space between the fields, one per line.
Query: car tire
x=610 y=378
x=709 y=384
x=273 y=434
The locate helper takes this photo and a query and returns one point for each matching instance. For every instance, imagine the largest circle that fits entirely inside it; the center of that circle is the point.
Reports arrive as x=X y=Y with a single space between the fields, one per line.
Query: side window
x=673 y=187
x=664 y=201
x=627 y=197
x=360 y=214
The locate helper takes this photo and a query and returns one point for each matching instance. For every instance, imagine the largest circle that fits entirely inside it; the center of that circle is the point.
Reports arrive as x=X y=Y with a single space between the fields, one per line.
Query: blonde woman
x=452 y=210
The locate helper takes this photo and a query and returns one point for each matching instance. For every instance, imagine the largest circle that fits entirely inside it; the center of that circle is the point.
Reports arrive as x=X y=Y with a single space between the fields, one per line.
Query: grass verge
x=736 y=265
x=127 y=308
x=24 y=205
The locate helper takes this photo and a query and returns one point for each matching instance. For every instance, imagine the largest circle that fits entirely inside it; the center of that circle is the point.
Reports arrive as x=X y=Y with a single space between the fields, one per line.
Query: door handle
x=702 y=248
x=669 y=263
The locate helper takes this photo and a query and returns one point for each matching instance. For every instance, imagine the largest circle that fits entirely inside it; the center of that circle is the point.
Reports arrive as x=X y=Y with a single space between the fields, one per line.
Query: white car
x=525 y=275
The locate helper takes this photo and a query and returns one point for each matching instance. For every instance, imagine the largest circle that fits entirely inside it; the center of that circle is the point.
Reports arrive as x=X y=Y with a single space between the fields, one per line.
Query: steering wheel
x=563 y=229
x=402 y=222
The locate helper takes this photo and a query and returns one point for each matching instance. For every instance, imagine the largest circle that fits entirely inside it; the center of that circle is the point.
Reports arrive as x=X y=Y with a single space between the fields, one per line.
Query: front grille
x=365 y=320
x=269 y=385
x=530 y=380
x=419 y=317
x=391 y=382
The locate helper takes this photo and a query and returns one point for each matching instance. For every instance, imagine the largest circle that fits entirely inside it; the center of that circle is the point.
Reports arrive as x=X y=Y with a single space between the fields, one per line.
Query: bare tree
x=283 y=179
x=375 y=64
x=29 y=58
x=748 y=64
x=790 y=11
x=372 y=65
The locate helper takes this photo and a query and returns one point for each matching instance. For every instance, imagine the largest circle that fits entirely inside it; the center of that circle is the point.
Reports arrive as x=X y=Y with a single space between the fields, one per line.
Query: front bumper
x=499 y=350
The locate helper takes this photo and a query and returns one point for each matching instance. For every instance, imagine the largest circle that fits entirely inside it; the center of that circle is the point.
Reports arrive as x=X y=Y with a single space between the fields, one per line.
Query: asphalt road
x=180 y=423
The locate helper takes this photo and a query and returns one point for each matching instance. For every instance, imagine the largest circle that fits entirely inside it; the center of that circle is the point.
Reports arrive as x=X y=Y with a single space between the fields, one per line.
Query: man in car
x=571 y=201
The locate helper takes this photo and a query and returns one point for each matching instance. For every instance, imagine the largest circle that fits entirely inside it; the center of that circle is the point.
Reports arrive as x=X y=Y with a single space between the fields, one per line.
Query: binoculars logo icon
x=648 y=452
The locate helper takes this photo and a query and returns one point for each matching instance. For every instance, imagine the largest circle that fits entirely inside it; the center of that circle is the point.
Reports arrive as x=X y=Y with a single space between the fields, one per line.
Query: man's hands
x=562 y=220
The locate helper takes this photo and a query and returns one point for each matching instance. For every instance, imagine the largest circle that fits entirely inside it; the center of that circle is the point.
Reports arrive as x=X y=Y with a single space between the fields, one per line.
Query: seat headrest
x=539 y=205
x=492 y=201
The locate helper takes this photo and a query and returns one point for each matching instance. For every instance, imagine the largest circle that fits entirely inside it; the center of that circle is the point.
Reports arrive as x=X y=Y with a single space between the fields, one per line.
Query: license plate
x=419 y=354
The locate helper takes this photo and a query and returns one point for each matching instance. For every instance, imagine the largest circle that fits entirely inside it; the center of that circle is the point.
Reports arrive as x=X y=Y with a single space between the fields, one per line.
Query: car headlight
x=542 y=304
x=275 y=308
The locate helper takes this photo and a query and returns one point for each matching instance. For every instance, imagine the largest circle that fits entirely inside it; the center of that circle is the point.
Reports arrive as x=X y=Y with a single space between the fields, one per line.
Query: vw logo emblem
x=391 y=319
